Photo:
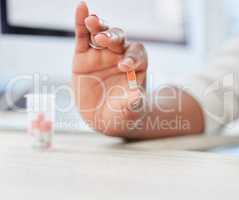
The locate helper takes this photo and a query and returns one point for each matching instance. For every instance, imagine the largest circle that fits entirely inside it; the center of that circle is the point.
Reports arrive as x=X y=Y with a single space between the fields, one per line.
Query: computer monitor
x=26 y=48
x=158 y=21
x=38 y=36
x=15 y=20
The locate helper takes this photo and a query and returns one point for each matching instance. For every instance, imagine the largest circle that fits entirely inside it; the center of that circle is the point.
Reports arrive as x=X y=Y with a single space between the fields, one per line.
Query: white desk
x=94 y=167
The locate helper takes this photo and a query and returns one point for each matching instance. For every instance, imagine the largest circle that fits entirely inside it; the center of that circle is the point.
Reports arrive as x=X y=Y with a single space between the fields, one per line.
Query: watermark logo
x=112 y=97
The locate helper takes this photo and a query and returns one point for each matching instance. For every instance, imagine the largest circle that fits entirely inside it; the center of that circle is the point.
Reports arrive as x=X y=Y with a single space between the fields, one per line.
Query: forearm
x=170 y=112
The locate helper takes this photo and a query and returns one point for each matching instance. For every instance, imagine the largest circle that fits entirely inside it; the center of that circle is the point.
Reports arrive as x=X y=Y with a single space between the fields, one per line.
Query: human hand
x=99 y=76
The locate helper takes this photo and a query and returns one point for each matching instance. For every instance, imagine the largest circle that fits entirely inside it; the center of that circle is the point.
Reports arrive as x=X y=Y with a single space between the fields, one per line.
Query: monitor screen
x=144 y=20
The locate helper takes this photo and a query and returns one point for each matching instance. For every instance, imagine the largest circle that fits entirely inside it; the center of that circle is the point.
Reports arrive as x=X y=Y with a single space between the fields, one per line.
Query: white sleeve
x=217 y=89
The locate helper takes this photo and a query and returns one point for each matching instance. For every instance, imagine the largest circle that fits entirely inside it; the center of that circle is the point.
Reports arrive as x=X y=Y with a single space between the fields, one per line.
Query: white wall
x=24 y=54
x=168 y=63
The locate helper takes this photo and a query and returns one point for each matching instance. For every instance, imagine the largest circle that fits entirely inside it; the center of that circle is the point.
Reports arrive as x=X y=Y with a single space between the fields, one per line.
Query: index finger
x=82 y=33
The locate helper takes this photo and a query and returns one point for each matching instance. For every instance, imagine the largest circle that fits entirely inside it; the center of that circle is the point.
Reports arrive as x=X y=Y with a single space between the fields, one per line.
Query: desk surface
x=94 y=167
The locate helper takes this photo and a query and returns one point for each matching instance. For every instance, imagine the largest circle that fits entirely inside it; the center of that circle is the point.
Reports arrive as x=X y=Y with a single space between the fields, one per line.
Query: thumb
x=136 y=105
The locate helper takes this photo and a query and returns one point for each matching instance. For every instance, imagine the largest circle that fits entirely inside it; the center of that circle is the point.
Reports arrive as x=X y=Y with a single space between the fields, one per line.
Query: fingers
x=113 y=39
x=82 y=33
x=136 y=105
x=95 y=24
x=135 y=58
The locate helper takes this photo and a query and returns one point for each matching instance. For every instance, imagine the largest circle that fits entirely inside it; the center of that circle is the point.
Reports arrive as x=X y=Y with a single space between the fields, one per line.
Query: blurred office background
x=180 y=36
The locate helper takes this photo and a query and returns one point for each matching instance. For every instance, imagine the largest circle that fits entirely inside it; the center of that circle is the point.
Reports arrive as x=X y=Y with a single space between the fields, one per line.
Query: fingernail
x=106 y=33
x=87 y=20
x=95 y=16
x=136 y=105
x=86 y=24
x=128 y=62
x=103 y=24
